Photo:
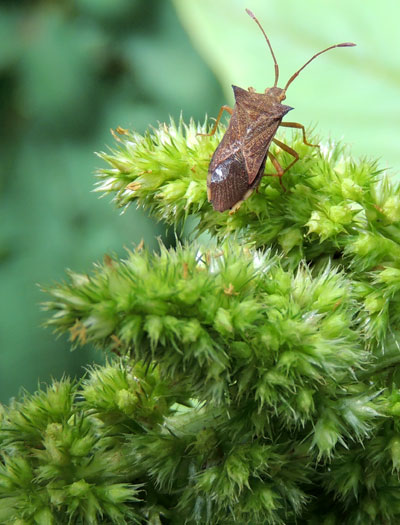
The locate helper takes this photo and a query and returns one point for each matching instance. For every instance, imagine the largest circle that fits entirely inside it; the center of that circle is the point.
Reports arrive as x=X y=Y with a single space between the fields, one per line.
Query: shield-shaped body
x=238 y=162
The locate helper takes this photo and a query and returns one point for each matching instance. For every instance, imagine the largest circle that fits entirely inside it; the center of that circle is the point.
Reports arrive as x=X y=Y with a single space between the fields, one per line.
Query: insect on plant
x=238 y=163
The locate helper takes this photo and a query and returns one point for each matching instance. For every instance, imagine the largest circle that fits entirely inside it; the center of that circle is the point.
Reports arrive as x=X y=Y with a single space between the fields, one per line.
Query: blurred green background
x=71 y=70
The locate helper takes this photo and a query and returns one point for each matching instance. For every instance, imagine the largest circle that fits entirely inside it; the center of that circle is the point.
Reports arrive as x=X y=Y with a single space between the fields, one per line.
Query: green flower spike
x=252 y=382
x=334 y=207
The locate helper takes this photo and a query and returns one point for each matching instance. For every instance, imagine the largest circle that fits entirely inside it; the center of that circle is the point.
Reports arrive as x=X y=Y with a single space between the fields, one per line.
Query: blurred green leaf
x=106 y=10
x=56 y=55
x=10 y=44
x=167 y=68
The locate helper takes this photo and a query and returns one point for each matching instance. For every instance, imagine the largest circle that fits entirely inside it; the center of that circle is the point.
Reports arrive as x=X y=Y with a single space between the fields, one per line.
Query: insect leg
x=279 y=170
x=214 y=129
x=289 y=150
x=298 y=126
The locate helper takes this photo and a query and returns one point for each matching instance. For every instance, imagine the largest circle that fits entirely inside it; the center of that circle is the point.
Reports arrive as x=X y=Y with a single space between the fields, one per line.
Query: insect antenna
x=345 y=44
x=251 y=14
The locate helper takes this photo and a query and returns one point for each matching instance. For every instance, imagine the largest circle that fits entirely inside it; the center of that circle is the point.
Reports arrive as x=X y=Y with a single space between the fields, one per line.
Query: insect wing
x=227 y=182
x=258 y=118
x=255 y=147
x=237 y=165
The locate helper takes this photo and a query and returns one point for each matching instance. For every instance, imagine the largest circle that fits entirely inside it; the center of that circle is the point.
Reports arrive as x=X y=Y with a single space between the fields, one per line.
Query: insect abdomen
x=227 y=184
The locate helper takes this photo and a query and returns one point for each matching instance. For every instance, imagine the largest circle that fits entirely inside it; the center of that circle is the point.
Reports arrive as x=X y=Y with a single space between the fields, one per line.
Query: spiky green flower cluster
x=334 y=208
x=233 y=326
x=264 y=350
x=256 y=380
x=59 y=465
x=164 y=171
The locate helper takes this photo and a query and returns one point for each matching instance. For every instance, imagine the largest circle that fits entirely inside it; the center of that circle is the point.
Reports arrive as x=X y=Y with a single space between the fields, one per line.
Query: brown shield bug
x=238 y=163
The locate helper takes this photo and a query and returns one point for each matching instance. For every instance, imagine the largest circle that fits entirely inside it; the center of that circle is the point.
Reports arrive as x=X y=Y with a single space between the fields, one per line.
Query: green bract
x=253 y=381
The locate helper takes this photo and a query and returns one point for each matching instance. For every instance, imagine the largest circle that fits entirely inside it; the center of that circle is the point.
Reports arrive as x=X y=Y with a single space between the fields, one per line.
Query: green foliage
x=253 y=381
